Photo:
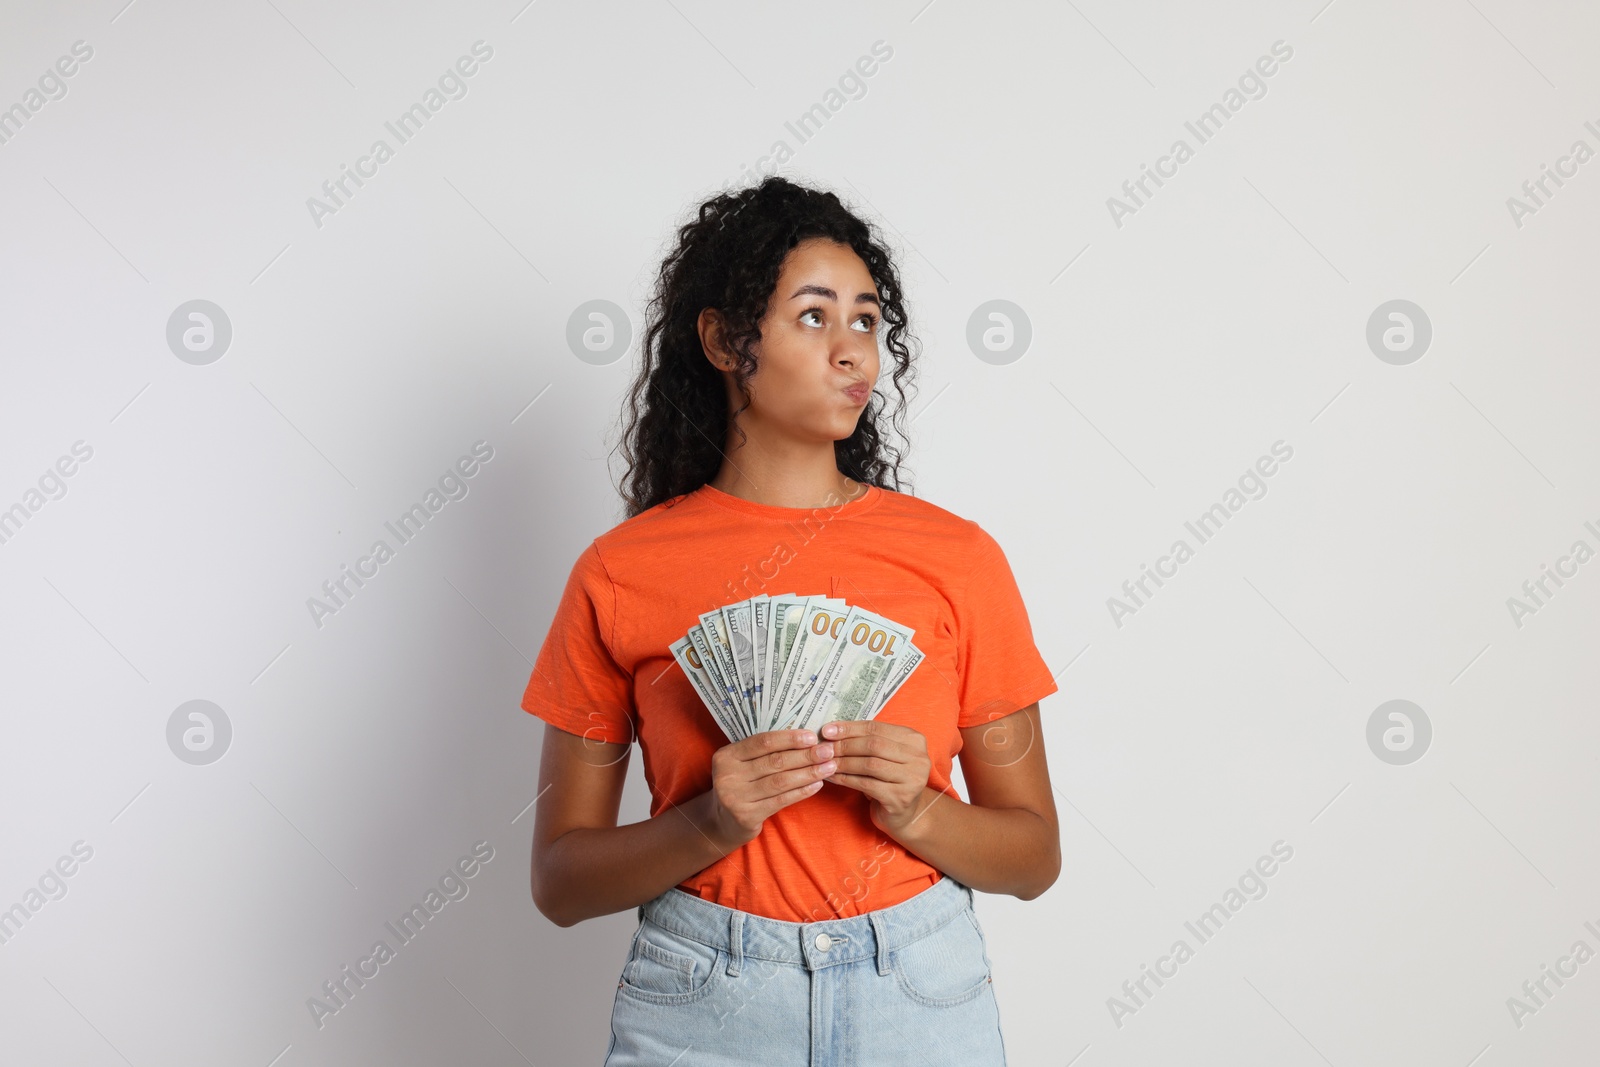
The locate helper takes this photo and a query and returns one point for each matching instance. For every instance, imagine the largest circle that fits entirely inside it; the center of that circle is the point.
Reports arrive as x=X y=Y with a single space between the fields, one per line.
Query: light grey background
x=1168 y=353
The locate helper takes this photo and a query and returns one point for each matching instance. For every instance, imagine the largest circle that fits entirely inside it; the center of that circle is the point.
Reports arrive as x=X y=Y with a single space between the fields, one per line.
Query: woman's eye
x=868 y=319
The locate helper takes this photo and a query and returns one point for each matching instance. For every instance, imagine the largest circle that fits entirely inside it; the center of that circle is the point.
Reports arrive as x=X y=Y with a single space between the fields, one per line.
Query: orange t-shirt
x=605 y=670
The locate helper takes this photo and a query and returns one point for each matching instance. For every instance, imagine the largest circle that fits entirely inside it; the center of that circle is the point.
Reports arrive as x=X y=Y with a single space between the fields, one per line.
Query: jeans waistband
x=815 y=944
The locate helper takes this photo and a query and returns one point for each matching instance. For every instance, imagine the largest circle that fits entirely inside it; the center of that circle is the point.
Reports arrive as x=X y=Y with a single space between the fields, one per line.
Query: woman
x=804 y=896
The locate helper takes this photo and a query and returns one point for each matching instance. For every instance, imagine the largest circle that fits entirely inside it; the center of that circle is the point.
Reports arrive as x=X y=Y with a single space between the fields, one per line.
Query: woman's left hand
x=886 y=761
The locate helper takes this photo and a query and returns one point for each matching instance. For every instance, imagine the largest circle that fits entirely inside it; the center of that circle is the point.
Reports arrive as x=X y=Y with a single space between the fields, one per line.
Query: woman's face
x=817 y=360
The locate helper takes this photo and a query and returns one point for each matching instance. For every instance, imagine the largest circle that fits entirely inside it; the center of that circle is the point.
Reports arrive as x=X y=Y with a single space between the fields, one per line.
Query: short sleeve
x=577 y=685
x=999 y=668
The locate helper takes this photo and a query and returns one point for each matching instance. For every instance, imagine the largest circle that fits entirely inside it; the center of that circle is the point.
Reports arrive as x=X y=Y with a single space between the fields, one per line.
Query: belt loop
x=735 y=942
x=883 y=941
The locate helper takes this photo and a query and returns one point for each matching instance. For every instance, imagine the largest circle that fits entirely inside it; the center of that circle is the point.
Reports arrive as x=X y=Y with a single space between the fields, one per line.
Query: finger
x=772 y=785
x=873 y=767
x=871 y=744
x=764 y=809
x=884 y=733
x=768 y=741
x=784 y=799
x=851 y=728
x=787 y=759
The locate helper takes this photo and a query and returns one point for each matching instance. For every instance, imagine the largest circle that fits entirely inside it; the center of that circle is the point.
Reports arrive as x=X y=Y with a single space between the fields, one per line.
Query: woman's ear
x=711 y=328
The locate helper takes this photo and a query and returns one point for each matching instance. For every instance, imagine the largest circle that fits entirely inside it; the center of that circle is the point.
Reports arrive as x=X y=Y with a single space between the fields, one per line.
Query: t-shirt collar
x=711 y=494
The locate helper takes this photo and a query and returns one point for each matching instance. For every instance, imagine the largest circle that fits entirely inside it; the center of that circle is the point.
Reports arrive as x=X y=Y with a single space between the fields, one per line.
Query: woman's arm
x=1005 y=841
x=585 y=865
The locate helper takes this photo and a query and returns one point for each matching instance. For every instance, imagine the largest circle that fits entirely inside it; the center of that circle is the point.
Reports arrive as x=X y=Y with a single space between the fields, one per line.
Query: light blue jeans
x=710 y=986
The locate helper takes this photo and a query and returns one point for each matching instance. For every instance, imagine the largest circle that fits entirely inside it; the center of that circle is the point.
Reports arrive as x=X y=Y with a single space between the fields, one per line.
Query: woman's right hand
x=752 y=778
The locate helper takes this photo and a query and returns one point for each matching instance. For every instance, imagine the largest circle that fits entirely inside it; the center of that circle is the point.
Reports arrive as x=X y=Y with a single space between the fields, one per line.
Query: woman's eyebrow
x=823 y=290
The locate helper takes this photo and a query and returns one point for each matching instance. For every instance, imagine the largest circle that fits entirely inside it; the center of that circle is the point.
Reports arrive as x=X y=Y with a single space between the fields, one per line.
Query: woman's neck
x=788 y=478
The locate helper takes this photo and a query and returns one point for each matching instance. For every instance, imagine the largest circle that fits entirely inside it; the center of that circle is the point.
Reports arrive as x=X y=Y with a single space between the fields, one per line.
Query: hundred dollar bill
x=819 y=629
x=743 y=643
x=716 y=703
x=782 y=629
x=715 y=625
x=862 y=658
x=742 y=649
x=760 y=623
x=910 y=657
x=721 y=636
x=713 y=666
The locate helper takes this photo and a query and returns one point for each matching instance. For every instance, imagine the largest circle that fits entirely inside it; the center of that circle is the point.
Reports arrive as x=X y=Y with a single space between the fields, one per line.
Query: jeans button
x=824 y=942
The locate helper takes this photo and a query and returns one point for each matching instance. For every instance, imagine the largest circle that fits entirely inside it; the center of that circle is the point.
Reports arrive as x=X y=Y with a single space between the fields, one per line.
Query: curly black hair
x=728 y=258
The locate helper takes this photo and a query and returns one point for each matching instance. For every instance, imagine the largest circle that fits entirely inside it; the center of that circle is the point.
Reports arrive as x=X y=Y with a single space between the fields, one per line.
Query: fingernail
x=824 y=751
x=807 y=737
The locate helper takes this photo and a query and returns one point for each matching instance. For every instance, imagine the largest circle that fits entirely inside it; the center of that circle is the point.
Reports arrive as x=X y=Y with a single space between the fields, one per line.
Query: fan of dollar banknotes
x=794 y=662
